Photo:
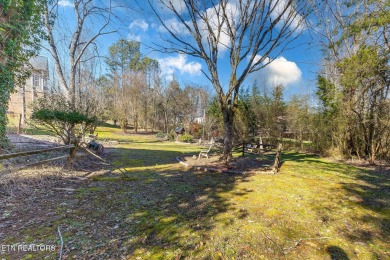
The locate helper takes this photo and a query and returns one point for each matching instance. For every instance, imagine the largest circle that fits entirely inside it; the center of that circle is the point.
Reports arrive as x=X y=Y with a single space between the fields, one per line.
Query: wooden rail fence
x=27 y=153
x=13 y=155
x=257 y=149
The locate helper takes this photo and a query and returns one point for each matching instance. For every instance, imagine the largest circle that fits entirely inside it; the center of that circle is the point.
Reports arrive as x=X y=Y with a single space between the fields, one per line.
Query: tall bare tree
x=253 y=33
x=72 y=46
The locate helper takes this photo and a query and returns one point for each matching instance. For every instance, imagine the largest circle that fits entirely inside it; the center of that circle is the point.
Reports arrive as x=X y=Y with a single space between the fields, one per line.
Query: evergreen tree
x=20 y=36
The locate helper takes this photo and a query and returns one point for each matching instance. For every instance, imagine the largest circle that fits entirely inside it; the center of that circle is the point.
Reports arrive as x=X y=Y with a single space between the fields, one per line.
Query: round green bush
x=161 y=135
x=186 y=138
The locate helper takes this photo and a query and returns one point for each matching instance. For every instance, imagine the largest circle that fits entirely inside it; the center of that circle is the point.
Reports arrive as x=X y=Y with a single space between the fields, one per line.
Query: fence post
x=72 y=152
x=278 y=157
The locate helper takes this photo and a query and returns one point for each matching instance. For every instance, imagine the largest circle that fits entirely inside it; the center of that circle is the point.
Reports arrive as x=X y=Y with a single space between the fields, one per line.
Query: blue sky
x=296 y=69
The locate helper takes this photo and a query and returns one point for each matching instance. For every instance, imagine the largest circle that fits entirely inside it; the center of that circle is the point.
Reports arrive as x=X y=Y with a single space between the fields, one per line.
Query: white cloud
x=290 y=14
x=256 y=59
x=65 y=3
x=179 y=63
x=139 y=24
x=134 y=37
x=175 y=26
x=279 y=71
x=215 y=22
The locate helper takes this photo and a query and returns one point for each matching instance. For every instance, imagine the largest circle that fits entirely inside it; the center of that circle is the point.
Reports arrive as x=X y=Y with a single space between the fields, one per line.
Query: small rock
x=311 y=244
x=360 y=243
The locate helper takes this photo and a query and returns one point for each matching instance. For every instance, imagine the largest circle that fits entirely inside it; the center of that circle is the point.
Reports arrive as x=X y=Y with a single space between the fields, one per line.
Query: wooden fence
x=71 y=147
x=256 y=148
x=278 y=159
x=265 y=147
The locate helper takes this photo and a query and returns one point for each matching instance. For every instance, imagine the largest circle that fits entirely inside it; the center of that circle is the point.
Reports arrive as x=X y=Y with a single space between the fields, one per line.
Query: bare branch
x=85 y=11
x=252 y=32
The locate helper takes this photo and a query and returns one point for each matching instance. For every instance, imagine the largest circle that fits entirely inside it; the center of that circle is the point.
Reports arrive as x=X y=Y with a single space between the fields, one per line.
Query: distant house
x=199 y=115
x=35 y=87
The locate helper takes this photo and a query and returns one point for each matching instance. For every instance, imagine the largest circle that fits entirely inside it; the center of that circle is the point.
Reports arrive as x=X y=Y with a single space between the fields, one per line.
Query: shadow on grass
x=365 y=192
x=371 y=192
x=336 y=253
x=106 y=124
x=134 y=157
x=162 y=211
x=298 y=157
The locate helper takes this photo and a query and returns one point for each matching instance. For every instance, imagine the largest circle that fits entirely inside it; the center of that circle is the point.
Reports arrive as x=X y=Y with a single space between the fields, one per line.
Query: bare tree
x=87 y=12
x=253 y=33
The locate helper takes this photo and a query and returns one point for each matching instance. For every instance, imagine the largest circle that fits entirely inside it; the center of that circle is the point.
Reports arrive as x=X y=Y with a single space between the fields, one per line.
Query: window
x=44 y=83
x=35 y=80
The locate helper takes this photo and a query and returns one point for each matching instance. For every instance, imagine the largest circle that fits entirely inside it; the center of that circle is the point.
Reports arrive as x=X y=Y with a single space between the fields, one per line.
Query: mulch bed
x=240 y=165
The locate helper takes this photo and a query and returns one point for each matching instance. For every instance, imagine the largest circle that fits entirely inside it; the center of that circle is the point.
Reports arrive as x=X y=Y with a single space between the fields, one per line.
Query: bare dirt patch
x=34 y=203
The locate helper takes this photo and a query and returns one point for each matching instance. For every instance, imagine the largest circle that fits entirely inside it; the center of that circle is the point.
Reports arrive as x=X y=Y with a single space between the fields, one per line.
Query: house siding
x=39 y=74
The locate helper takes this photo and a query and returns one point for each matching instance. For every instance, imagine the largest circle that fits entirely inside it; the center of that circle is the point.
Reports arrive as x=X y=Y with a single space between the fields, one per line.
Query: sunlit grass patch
x=28 y=129
x=116 y=134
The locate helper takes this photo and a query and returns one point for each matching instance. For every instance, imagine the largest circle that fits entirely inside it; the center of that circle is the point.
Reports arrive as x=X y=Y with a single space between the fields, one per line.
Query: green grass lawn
x=313 y=209
x=108 y=132
x=13 y=123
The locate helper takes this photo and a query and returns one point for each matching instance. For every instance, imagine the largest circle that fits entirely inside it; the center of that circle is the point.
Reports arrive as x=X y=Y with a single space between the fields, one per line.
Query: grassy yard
x=313 y=209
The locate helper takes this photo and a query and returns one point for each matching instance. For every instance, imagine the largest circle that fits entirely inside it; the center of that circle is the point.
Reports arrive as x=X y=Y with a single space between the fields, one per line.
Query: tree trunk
x=136 y=123
x=166 y=122
x=123 y=125
x=228 y=116
x=23 y=104
x=33 y=90
x=72 y=86
x=72 y=154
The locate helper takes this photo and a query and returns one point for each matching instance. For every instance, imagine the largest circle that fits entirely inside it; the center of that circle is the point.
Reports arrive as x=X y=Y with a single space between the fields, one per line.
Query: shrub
x=187 y=138
x=171 y=135
x=56 y=116
x=196 y=129
x=161 y=135
x=65 y=124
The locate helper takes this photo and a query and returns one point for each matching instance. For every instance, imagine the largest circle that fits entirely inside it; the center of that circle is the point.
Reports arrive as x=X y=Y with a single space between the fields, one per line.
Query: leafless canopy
x=92 y=20
x=252 y=32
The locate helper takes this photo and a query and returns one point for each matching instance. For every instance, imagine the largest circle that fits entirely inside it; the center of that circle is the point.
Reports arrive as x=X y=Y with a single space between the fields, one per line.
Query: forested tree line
x=135 y=95
x=351 y=116
x=132 y=93
x=353 y=87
